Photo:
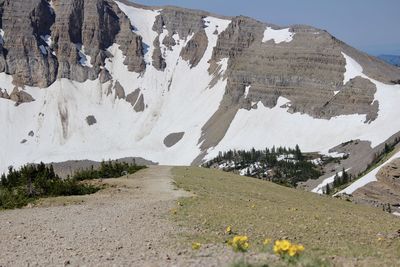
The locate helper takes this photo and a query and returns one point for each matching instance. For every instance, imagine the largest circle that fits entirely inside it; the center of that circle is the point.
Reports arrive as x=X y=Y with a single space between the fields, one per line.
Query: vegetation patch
x=108 y=169
x=20 y=187
x=285 y=166
x=227 y=205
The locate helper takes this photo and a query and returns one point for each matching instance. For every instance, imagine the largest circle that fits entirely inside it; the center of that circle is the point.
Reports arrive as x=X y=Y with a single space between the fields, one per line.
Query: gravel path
x=123 y=225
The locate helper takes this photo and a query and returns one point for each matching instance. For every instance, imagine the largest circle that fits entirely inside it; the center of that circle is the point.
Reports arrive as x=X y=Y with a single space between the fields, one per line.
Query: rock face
x=386 y=191
x=42 y=39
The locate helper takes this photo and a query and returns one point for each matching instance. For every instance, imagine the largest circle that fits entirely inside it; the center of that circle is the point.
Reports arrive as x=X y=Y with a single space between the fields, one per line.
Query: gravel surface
x=125 y=224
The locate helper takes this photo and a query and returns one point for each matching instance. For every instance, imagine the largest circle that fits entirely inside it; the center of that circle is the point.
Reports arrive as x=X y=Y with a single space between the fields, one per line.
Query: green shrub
x=108 y=169
x=19 y=187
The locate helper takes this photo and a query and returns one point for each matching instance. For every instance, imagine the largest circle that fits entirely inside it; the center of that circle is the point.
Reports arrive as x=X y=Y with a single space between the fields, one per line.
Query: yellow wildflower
x=196 y=245
x=240 y=243
x=300 y=248
x=253 y=206
x=266 y=242
x=228 y=230
x=292 y=250
x=285 y=245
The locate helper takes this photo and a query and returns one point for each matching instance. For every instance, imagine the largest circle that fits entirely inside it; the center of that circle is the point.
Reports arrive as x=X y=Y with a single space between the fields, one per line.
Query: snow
x=246 y=91
x=396 y=213
x=317 y=161
x=353 y=69
x=173 y=104
x=320 y=188
x=47 y=39
x=43 y=49
x=368 y=178
x=250 y=169
x=1 y=36
x=279 y=36
x=84 y=59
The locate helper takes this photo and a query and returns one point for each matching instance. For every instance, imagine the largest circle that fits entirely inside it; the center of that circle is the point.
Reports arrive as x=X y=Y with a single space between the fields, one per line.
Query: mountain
x=391 y=59
x=101 y=79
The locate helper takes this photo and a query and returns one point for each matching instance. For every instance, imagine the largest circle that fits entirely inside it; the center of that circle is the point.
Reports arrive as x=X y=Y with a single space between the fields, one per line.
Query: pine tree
x=327 y=190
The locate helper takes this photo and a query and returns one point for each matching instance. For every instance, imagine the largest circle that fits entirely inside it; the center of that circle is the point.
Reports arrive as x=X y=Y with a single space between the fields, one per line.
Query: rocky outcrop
x=23 y=23
x=179 y=21
x=42 y=42
x=357 y=96
x=119 y=91
x=158 y=59
x=194 y=50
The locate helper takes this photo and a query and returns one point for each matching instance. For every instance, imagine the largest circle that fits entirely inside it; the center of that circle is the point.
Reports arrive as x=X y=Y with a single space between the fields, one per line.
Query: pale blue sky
x=369 y=25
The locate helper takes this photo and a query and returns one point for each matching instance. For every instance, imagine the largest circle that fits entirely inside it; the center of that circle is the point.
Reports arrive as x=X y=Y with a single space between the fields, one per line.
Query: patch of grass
x=327 y=227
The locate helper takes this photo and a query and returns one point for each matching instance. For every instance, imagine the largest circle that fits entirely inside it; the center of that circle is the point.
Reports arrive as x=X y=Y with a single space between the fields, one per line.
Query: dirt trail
x=125 y=224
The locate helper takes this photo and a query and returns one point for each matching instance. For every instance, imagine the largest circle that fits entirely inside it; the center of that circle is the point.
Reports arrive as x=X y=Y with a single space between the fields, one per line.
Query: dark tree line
x=108 y=169
x=281 y=165
x=19 y=187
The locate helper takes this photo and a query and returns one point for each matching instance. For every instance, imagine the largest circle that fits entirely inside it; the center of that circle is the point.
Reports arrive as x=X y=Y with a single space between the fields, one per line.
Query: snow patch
x=320 y=188
x=1 y=37
x=353 y=69
x=85 y=60
x=279 y=36
x=43 y=49
x=246 y=91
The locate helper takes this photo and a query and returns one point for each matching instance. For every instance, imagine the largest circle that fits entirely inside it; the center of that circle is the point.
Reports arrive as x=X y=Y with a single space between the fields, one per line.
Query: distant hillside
x=391 y=59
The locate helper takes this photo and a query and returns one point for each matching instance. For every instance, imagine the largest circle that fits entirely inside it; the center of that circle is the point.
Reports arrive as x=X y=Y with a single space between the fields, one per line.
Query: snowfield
x=179 y=99
x=279 y=36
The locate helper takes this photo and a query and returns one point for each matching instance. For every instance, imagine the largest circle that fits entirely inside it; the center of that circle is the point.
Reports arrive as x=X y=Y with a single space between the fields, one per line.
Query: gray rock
x=173 y=138
x=133 y=97
x=158 y=60
x=119 y=91
x=91 y=120
x=195 y=48
x=139 y=107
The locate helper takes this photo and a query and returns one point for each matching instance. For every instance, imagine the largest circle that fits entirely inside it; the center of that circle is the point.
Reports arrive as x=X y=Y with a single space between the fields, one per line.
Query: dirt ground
x=124 y=225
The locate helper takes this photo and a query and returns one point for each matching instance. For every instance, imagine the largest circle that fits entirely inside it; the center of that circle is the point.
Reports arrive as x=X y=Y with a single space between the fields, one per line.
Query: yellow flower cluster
x=240 y=243
x=228 y=230
x=284 y=247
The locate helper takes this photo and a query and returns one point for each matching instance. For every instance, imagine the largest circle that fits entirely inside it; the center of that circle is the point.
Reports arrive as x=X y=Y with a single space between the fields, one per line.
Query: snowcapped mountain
x=100 y=79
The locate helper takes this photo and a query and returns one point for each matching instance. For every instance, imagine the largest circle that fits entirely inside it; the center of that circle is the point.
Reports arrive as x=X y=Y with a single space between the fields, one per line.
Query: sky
x=369 y=25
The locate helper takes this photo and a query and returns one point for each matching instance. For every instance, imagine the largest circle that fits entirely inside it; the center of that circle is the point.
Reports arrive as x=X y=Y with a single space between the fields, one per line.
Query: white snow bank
x=279 y=36
x=320 y=188
x=368 y=178
x=353 y=69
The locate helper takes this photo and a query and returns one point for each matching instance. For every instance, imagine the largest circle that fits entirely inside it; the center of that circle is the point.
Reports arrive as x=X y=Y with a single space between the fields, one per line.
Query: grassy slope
x=326 y=226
